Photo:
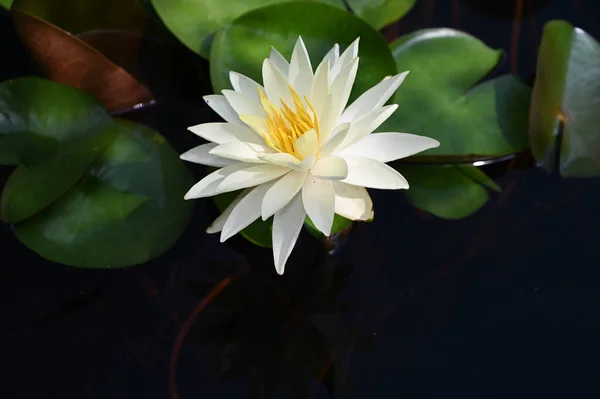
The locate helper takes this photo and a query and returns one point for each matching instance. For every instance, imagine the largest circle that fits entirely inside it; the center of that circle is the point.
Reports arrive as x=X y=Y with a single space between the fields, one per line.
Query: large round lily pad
x=246 y=42
x=379 y=13
x=195 y=22
x=32 y=188
x=39 y=116
x=129 y=207
x=440 y=97
x=6 y=4
x=99 y=192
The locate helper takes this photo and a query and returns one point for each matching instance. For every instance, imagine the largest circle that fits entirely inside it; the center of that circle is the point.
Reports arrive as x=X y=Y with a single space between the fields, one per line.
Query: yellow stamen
x=286 y=125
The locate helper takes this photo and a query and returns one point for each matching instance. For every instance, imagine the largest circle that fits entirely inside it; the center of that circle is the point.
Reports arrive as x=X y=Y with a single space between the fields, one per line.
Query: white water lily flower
x=297 y=150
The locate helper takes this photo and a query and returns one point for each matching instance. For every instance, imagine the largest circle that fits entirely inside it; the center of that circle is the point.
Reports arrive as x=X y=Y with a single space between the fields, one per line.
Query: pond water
x=504 y=303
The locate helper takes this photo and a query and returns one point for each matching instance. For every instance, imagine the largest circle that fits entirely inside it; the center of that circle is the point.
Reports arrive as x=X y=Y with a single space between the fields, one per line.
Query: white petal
x=318 y=198
x=350 y=52
x=282 y=192
x=287 y=160
x=226 y=132
x=306 y=163
x=252 y=176
x=221 y=106
x=329 y=119
x=244 y=105
x=319 y=91
x=347 y=56
x=262 y=148
x=279 y=61
x=307 y=144
x=237 y=151
x=279 y=158
x=287 y=225
x=387 y=147
x=208 y=186
x=352 y=202
x=300 y=74
x=342 y=86
x=245 y=85
x=367 y=124
x=276 y=85
x=367 y=172
x=201 y=155
x=205 y=187
x=335 y=139
x=219 y=222
x=332 y=55
x=245 y=212
x=373 y=98
x=330 y=168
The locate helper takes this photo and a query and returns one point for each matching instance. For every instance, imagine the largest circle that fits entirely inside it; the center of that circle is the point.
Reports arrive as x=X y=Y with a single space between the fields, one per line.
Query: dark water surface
x=503 y=304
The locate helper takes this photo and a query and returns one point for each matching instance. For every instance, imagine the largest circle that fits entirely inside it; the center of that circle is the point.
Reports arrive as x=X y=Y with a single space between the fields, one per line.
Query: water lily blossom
x=296 y=150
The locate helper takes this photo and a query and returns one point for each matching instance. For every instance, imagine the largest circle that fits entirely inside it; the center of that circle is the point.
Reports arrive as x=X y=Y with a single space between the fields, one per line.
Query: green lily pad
x=6 y=4
x=89 y=191
x=449 y=192
x=30 y=189
x=565 y=100
x=380 y=13
x=127 y=209
x=195 y=22
x=40 y=117
x=246 y=42
x=438 y=98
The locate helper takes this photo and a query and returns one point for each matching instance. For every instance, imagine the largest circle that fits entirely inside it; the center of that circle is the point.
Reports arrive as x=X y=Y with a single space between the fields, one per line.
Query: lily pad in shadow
x=449 y=192
x=565 y=118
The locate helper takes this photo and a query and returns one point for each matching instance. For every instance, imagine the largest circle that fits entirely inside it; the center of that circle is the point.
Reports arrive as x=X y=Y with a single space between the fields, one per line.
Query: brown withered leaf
x=121 y=47
x=68 y=60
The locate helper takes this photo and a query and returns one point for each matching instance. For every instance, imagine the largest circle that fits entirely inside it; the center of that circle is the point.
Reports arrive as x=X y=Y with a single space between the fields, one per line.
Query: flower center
x=286 y=125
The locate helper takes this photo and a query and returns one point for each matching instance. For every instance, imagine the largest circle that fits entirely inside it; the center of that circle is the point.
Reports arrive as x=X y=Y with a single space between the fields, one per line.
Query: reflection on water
x=277 y=335
x=501 y=304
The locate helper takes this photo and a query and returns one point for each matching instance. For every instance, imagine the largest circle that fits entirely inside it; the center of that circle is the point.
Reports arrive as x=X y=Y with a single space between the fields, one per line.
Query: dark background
x=503 y=304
